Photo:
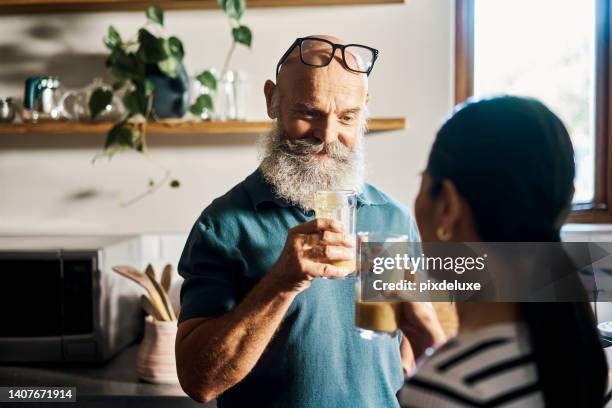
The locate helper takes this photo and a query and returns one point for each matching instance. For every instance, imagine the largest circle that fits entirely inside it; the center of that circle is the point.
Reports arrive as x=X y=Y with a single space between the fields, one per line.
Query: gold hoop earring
x=443 y=234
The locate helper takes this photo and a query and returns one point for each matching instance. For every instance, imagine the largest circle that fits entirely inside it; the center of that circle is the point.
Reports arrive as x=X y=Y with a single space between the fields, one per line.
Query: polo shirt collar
x=370 y=196
x=260 y=192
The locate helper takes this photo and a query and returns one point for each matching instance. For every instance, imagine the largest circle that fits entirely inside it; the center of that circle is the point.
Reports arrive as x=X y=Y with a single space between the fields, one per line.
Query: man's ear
x=269 y=89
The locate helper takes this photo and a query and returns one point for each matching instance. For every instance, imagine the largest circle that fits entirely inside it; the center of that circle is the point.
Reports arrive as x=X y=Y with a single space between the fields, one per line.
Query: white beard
x=296 y=174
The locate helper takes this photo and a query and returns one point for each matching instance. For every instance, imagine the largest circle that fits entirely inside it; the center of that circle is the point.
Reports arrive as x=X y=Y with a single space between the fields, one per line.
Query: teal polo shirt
x=316 y=359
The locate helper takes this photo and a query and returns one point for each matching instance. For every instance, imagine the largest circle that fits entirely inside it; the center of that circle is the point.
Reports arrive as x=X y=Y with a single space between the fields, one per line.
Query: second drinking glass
x=339 y=205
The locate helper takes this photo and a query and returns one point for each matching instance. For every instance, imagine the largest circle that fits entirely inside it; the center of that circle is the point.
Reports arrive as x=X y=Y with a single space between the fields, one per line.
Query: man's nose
x=327 y=132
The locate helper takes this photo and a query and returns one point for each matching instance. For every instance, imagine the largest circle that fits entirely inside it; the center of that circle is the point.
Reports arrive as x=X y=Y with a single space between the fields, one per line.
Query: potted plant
x=149 y=74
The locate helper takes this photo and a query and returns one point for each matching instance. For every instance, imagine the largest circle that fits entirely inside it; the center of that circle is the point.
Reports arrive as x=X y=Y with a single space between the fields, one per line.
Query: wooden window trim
x=600 y=211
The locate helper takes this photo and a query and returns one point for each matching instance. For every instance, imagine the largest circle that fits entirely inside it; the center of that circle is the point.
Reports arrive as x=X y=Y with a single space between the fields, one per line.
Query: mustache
x=310 y=145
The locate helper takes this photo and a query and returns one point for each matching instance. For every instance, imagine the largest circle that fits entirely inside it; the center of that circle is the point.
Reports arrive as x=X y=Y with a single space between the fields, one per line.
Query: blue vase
x=171 y=95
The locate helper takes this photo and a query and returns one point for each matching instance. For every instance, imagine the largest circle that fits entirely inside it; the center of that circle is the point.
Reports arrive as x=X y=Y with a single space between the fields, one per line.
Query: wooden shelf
x=60 y=6
x=173 y=127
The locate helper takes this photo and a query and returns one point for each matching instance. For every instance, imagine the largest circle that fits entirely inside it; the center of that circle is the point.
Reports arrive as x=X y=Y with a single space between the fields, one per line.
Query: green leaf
x=99 y=100
x=223 y=4
x=135 y=102
x=151 y=48
x=242 y=35
x=112 y=39
x=204 y=102
x=155 y=14
x=169 y=66
x=207 y=79
x=149 y=87
x=119 y=135
x=233 y=8
x=124 y=66
x=175 y=183
x=238 y=8
x=174 y=48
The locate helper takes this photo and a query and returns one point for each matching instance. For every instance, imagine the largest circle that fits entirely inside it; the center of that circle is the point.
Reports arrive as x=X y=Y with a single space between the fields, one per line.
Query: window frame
x=600 y=210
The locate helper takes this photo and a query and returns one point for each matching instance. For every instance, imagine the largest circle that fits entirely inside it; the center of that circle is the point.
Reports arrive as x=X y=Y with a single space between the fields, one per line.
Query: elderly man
x=258 y=327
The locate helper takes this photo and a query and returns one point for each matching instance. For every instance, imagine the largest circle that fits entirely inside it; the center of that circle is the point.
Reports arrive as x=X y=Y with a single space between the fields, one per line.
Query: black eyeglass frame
x=298 y=43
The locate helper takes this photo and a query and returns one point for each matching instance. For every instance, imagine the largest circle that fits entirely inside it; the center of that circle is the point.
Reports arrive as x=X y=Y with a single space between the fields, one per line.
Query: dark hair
x=512 y=160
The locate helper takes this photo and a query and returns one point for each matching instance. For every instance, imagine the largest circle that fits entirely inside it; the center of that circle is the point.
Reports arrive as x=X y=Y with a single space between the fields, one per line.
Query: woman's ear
x=269 y=90
x=451 y=210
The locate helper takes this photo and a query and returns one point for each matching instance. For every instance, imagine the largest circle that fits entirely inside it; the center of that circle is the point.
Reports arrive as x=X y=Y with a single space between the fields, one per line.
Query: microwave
x=62 y=302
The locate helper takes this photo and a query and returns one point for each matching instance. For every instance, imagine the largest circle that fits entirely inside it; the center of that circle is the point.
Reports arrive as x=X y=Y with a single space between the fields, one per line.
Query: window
x=556 y=51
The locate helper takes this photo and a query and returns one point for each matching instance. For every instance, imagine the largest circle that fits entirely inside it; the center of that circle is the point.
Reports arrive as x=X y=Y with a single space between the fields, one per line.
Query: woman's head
x=500 y=169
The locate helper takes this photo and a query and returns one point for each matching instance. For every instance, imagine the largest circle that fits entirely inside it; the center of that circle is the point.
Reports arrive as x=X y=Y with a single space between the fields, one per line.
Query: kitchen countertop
x=114 y=384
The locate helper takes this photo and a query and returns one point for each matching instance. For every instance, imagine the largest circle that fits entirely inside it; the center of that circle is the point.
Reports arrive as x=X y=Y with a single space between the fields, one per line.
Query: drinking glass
x=376 y=315
x=339 y=205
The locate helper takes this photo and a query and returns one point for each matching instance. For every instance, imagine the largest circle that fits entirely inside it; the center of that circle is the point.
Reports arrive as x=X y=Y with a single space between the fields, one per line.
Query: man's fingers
x=325 y=270
x=329 y=238
x=335 y=238
x=318 y=224
x=330 y=253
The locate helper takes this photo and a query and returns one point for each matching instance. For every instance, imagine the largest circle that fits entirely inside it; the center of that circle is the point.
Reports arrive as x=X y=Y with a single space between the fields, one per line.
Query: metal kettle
x=42 y=99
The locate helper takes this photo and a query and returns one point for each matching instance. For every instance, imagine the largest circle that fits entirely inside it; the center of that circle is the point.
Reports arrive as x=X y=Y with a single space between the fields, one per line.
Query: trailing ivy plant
x=127 y=64
x=241 y=34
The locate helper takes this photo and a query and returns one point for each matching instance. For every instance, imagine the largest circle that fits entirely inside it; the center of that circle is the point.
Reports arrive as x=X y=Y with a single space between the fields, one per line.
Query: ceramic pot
x=171 y=95
x=155 y=362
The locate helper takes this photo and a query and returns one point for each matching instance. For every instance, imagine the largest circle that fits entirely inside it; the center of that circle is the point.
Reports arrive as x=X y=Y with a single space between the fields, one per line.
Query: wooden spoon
x=144 y=281
x=147 y=305
x=166 y=278
x=162 y=293
x=150 y=272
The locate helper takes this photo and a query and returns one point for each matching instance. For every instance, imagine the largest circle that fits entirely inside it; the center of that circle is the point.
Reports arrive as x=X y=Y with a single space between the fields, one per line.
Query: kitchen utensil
x=144 y=281
x=148 y=307
x=150 y=273
x=7 y=110
x=166 y=278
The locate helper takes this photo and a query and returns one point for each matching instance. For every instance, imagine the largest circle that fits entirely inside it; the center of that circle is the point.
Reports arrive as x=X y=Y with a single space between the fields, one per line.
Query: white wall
x=49 y=185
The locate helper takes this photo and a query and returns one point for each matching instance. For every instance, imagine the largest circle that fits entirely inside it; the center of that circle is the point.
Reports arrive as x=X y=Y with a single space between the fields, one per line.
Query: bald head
x=318 y=52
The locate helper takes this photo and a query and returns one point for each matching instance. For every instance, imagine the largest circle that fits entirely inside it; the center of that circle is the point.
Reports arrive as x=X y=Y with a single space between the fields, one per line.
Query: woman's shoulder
x=492 y=366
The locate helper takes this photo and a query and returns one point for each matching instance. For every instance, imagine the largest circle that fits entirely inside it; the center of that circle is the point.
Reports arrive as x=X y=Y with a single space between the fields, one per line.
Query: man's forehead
x=318 y=90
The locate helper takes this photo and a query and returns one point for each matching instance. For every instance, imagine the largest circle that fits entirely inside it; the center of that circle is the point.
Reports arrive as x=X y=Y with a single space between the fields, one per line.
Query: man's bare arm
x=213 y=354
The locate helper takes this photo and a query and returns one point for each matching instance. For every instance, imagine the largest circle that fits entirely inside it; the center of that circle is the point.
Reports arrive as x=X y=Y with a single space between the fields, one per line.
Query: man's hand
x=310 y=250
x=419 y=322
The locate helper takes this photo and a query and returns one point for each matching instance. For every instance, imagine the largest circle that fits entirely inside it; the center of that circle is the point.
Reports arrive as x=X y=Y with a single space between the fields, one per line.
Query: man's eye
x=305 y=114
x=348 y=118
